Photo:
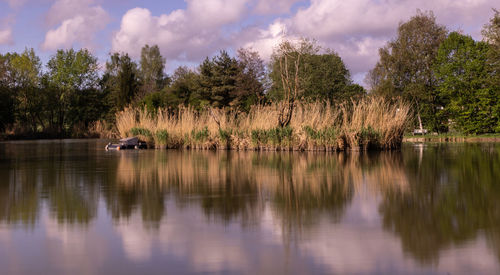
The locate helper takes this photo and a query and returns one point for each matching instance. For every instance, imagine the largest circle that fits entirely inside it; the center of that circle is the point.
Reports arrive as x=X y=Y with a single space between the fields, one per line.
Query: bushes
x=368 y=138
x=325 y=136
x=161 y=137
x=276 y=136
x=201 y=135
x=142 y=133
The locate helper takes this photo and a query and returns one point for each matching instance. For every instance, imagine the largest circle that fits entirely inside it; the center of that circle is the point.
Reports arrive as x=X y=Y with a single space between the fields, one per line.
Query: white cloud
x=6 y=36
x=188 y=34
x=75 y=22
x=264 y=41
x=355 y=29
x=184 y=34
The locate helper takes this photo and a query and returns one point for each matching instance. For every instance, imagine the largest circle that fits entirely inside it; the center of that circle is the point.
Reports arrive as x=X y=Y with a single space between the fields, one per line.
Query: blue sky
x=188 y=30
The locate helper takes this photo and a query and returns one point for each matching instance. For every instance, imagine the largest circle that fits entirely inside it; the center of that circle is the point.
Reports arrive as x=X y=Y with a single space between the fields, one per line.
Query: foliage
x=121 y=81
x=491 y=33
x=322 y=136
x=201 y=135
x=142 y=133
x=73 y=77
x=218 y=78
x=472 y=103
x=323 y=76
x=225 y=135
x=161 y=137
x=24 y=81
x=152 y=73
x=251 y=82
x=274 y=136
x=7 y=106
x=405 y=66
x=369 y=137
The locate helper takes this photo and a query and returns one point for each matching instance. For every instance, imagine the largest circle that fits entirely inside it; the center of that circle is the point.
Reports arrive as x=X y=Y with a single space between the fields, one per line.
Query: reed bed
x=371 y=123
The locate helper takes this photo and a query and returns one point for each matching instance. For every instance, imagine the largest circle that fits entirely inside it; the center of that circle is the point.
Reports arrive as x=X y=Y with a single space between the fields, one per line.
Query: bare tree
x=289 y=55
x=290 y=87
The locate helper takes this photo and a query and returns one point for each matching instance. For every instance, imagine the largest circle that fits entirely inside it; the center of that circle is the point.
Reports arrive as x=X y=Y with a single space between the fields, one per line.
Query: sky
x=189 y=30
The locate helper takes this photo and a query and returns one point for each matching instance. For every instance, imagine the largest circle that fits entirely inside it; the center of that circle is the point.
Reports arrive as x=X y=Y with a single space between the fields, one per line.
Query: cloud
x=274 y=7
x=185 y=34
x=355 y=29
x=6 y=36
x=264 y=40
x=75 y=22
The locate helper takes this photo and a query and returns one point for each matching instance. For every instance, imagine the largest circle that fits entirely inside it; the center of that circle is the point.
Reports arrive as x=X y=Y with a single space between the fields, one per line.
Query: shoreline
x=451 y=139
x=263 y=148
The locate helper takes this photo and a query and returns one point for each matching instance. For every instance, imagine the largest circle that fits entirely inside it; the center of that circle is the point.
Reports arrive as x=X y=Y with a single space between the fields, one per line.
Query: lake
x=69 y=207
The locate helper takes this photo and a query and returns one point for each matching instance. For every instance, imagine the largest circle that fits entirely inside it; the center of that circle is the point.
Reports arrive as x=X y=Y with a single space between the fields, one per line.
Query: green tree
x=218 y=79
x=74 y=77
x=152 y=73
x=25 y=75
x=464 y=84
x=405 y=67
x=323 y=76
x=491 y=33
x=184 y=88
x=286 y=63
x=7 y=102
x=121 y=80
x=251 y=81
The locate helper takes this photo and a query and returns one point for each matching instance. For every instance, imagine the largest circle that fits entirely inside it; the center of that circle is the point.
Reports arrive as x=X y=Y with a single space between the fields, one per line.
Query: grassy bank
x=98 y=129
x=371 y=123
x=453 y=138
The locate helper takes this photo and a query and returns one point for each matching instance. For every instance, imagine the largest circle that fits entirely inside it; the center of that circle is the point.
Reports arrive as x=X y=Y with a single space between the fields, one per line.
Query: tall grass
x=371 y=123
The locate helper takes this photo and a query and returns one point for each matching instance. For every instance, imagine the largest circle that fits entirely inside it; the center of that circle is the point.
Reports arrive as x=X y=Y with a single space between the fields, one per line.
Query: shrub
x=368 y=138
x=325 y=136
x=225 y=135
x=161 y=137
x=200 y=136
x=274 y=136
x=142 y=134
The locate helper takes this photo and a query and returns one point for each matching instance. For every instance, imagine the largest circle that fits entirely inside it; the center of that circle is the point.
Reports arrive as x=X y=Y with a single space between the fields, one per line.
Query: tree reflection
x=453 y=197
x=32 y=173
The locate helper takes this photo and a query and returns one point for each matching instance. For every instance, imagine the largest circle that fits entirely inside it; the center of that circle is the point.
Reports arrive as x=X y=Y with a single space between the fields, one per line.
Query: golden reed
x=371 y=123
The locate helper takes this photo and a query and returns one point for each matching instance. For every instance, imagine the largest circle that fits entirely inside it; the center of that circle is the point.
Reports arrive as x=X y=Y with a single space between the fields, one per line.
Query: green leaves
x=405 y=67
x=71 y=70
x=323 y=76
x=464 y=82
x=152 y=66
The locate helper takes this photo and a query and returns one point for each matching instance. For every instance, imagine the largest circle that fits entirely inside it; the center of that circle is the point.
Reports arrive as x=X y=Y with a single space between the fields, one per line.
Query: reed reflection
x=236 y=185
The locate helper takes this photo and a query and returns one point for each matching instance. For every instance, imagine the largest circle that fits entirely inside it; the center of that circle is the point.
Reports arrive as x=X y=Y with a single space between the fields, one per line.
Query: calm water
x=68 y=207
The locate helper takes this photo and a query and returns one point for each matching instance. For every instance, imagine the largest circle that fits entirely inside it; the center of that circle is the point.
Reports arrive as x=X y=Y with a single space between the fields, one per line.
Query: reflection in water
x=453 y=196
x=433 y=199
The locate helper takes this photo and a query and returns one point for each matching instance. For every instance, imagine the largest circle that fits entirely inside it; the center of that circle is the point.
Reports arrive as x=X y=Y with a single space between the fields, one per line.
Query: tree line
x=451 y=80
x=70 y=93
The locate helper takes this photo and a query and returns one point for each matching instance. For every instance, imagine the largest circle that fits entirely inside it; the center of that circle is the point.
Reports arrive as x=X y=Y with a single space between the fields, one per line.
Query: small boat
x=127 y=143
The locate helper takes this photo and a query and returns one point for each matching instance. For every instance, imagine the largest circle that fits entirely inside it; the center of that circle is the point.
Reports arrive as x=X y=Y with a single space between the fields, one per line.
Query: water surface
x=69 y=207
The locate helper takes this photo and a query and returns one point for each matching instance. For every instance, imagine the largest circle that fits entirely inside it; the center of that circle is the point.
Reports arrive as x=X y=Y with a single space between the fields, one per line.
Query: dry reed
x=371 y=123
